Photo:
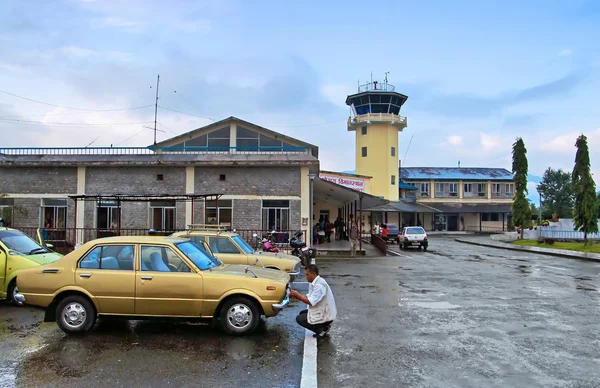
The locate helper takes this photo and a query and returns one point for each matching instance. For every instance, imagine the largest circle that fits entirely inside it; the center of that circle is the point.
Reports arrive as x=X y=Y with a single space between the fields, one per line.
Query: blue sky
x=478 y=73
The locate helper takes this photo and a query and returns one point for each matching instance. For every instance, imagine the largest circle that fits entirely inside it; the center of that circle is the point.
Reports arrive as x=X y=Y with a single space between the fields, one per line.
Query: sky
x=478 y=74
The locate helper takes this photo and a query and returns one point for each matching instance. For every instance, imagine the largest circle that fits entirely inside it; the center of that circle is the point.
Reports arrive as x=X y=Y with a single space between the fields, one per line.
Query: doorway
x=452 y=222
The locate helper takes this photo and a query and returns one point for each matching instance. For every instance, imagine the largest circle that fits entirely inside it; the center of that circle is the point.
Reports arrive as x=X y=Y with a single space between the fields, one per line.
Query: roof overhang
x=404 y=207
x=472 y=207
x=145 y=197
x=334 y=194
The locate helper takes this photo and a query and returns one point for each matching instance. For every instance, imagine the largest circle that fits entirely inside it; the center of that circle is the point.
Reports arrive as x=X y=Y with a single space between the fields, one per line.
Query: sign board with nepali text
x=351 y=183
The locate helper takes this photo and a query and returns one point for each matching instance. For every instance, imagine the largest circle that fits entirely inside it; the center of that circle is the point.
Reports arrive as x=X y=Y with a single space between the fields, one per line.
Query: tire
x=405 y=246
x=424 y=248
x=12 y=290
x=75 y=314
x=239 y=316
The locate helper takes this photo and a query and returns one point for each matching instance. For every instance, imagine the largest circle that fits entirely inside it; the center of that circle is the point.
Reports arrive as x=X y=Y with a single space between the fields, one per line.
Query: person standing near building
x=321 y=304
x=377 y=228
x=353 y=236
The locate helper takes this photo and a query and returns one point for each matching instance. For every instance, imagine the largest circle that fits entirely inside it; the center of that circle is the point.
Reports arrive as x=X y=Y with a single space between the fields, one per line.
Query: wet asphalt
x=455 y=316
x=119 y=353
x=462 y=316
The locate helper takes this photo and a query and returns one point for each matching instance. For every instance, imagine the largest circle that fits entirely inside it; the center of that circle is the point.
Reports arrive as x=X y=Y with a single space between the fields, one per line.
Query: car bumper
x=280 y=306
x=20 y=298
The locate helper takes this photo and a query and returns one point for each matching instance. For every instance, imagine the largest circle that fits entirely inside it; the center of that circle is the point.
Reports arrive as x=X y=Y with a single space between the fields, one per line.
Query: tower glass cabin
x=376 y=120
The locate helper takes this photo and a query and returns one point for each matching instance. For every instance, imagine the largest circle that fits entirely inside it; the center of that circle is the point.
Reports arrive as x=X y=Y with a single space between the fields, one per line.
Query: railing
x=568 y=235
x=152 y=150
x=376 y=86
x=486 y=229
x=377 y=117
x=379 y=243
x=64 y=240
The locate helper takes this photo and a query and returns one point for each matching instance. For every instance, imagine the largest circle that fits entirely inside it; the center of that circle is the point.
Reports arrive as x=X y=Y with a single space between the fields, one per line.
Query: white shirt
x=321 y=298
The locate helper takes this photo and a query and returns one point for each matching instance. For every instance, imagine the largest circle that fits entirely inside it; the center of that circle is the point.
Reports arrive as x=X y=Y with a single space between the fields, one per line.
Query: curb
x=545 y=251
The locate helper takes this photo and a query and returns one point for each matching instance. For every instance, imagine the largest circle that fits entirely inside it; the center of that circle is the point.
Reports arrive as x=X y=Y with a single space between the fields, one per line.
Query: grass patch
x=570 y=246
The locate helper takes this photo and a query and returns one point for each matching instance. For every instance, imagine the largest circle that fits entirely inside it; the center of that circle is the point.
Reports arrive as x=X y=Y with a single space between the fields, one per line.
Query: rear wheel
x=424 y=247
x=239 y=316
x=75 y=314
x=12 y=291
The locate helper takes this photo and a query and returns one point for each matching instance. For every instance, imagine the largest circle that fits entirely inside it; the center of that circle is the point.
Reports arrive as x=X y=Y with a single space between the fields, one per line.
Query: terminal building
x=253 y=179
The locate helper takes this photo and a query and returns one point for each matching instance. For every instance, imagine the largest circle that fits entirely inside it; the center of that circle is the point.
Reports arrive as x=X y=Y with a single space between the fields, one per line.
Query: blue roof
x=463 y=173
x=406 y=186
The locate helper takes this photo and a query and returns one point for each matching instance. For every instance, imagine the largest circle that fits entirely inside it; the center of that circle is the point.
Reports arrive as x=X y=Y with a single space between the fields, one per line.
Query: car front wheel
x=239 y=316
x=12 y=291
x=75 y=314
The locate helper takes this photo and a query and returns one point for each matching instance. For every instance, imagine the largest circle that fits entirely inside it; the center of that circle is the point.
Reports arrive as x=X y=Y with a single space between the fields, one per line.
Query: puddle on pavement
x=433 y=305
x=586 y=288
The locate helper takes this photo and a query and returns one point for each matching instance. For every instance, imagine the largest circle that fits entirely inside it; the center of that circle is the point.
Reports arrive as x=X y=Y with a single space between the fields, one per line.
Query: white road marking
x=309 y=361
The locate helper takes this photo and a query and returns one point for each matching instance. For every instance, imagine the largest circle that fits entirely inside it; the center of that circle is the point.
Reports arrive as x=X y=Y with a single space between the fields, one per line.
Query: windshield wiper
x=37 y=250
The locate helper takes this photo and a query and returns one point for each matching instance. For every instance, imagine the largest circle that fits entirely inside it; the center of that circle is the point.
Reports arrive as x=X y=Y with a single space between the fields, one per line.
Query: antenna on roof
x=459 y=164
x=386 y=80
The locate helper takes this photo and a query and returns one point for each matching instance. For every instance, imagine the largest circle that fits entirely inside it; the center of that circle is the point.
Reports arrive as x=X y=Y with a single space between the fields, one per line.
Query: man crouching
x=321 y=304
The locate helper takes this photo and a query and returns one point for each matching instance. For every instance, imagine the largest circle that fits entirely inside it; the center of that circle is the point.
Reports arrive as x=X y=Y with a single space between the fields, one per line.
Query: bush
x=540 y=241
x=549 y=241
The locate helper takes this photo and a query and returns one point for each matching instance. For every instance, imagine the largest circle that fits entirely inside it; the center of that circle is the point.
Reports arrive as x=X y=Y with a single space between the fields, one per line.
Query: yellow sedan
x=143 y=277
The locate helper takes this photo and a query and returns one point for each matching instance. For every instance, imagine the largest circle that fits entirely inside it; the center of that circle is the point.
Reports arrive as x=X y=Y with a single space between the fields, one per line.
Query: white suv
x=413 y=235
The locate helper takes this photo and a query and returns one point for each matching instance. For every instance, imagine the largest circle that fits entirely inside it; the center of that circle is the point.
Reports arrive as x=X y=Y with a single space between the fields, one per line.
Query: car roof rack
x=209 y=227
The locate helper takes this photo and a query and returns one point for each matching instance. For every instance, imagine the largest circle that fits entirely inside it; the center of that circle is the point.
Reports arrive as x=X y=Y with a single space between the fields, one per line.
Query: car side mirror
x=49 y=246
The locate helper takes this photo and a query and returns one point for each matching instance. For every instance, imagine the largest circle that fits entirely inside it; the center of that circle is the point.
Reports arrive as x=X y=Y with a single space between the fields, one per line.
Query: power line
x=73 y=108
x=168 y=129
x=15 y=121
x=189 y=103
x=130 y=137
x=303 y=126
x=188 y=114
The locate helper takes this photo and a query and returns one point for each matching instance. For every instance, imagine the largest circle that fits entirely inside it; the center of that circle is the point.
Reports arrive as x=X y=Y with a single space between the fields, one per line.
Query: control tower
x=376 y=120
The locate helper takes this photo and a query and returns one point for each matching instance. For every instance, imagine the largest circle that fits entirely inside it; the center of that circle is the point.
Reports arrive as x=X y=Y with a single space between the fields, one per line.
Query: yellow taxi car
x=142 y=277
x=18 y=252
x=231 y=248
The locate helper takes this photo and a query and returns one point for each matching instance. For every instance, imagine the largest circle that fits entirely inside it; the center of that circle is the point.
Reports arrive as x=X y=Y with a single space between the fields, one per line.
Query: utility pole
x=156 y=107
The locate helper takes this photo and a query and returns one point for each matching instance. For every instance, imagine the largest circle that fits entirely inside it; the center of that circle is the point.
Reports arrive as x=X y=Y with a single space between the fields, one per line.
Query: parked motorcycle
x=301 y=250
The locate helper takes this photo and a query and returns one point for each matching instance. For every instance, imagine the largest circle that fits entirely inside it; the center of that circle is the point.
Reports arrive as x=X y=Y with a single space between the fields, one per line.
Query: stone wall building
x=263 y=177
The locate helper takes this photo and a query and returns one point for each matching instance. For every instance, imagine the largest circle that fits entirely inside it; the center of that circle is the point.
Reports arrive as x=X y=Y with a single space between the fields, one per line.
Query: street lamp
x=540 y=218
x=309 y=235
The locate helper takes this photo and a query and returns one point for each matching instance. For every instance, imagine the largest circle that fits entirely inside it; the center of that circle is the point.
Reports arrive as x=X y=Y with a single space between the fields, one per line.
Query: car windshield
x=201 y=259
x=17 y=241
x=415 y=231
x=242 y=244
x=392 y=227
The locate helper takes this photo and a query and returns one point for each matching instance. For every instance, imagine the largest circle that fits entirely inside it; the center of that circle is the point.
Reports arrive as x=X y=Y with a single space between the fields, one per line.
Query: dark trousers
x=302 y=320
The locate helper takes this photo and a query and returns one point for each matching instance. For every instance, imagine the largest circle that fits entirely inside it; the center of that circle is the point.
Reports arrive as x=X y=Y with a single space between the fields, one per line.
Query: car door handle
x=85 y=275
x=146 y=277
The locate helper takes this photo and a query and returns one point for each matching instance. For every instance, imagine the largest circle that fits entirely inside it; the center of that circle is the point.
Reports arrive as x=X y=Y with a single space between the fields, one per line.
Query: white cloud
x=566 y=143
x=13 y=68
x=489 y=142
x=565 y=52
x=337 y=93
x=111 y=21
x=78 y=51
x=81 y=52
x=199 y=25
x=454 y=140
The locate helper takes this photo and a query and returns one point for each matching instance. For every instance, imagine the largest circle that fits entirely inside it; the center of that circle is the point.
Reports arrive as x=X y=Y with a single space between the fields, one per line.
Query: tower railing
x=378 y=117
x=376 y=87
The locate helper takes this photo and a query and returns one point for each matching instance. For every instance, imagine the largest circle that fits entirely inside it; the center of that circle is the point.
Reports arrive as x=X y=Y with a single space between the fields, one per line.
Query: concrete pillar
x=80 y=208
x=233 y=134
x=190 y=172
x=460 y=190
x=432 y=189
x=489 y=190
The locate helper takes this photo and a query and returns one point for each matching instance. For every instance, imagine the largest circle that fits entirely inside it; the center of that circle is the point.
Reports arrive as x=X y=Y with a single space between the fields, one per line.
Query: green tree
x=557 y=193
x=521 y=211
x=585 y=213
